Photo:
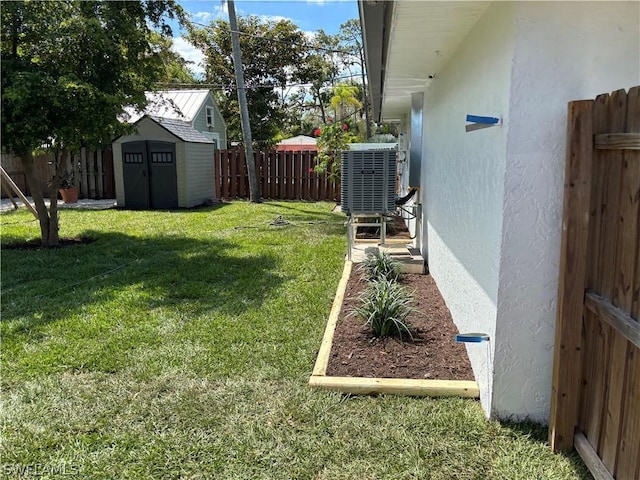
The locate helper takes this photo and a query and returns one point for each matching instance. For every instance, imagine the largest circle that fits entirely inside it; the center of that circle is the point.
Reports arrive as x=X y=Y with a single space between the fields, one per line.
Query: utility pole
x=254 y=193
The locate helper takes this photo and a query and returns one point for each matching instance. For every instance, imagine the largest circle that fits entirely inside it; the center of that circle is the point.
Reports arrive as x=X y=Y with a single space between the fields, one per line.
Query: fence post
x=100 y=175
x=81 y=174
x=567 y=361
x=273 y=166
x=91 y=174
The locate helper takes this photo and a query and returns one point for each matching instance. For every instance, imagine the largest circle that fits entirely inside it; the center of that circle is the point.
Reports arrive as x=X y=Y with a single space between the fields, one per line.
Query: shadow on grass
x=141 y=273
x=540 y=433
x=195 y=209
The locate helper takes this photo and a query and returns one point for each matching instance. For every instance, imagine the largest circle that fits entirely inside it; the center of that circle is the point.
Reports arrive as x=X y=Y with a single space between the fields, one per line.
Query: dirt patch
x=431 y=354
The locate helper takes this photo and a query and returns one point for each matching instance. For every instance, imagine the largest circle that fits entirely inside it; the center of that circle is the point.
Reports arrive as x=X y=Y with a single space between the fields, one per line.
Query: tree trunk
x=48 y=220
x=317 y=98
x=365 y=92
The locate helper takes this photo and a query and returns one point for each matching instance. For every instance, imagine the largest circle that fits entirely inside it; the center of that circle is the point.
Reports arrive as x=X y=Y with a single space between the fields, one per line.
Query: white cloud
x=189 y=53
x=202 y=16
x=219 y=11
x=317 y=2
x=273 y=18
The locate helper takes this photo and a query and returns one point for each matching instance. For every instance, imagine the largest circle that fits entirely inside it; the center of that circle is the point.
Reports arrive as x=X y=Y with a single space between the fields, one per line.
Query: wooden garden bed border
x=372 y=386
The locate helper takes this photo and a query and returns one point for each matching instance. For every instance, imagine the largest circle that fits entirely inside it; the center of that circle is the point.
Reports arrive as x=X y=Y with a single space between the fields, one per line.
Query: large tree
x=333 y=61
x=68 y=70
x=350 y=38
x=273 y=53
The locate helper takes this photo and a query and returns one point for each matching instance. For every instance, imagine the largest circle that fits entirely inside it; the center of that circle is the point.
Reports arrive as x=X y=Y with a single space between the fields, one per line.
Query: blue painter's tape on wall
x=472 y=337
x=485 y=120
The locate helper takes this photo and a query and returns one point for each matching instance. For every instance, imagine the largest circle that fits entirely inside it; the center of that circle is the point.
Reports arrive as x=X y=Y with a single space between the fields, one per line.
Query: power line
x=305 y=45
x=220 y=86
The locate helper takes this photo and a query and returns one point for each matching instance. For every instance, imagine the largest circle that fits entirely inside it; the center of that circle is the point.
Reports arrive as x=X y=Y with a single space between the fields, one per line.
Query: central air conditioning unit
x=368 y=182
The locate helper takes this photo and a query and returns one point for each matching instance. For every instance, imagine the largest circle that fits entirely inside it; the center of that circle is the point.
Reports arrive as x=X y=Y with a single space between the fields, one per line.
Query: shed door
x=136 y=175
x=163 y=175
x=150 y=176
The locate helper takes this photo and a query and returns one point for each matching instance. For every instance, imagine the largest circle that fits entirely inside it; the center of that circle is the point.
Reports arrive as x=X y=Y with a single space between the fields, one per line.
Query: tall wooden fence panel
x=95 y=173
x=13 y=167
x=595 y=402
x=280 y=175
x=92 y=169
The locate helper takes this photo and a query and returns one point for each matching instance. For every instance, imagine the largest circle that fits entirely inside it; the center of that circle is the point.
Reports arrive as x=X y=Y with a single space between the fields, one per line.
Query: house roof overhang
x=407 y=43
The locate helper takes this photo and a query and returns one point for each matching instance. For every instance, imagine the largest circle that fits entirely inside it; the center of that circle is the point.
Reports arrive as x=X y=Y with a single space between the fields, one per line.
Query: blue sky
x=308 y=15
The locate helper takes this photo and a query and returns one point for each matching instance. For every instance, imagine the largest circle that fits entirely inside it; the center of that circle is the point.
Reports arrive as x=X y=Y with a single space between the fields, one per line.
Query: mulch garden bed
x=431 y=354
x=36 y=244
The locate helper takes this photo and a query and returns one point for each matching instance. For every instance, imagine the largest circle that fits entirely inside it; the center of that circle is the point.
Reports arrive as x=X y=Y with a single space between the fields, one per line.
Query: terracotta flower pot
x=69 y=195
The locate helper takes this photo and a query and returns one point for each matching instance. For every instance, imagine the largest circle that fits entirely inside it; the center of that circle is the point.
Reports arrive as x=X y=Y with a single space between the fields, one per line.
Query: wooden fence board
x=593 y=374
x=600 y=124
x=591 y=459
x=613 y=407
x=564 y=406
x=626 y=258
x=608 y=397
x=295 y=175
x=273 y=161
x=633 y=125
x=597 y=392
x=264 y=175
x=281 y=176
x=290 y=171
x=281 y=193
x=628 y=465
x=628 y=460
x=82 y=175
x=590 y=347
x=623 y=323
x=615 y=141
x=233 y=176
x=243 y=191
x=100 y=174
x=611 y=197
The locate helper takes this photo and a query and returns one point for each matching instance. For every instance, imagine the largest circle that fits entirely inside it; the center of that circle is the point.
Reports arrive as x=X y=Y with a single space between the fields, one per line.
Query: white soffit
x=424 y=36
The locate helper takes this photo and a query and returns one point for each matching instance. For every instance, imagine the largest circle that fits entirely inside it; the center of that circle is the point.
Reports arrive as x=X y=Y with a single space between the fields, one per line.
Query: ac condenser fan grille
x=368 y=181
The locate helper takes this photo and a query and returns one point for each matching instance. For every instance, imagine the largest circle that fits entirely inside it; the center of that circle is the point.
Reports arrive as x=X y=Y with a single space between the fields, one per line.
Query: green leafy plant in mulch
x=380 y=265
x=385 y=306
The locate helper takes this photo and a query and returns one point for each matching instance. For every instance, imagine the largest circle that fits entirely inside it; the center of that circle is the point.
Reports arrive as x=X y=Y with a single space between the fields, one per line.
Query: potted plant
x=68 y=190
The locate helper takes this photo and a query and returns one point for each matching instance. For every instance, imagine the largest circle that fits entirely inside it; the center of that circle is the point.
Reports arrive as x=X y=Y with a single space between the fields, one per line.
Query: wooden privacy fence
x=13 y=167
x=92 y=169
x=281 y=176
x=95 y=174
x=595 y=403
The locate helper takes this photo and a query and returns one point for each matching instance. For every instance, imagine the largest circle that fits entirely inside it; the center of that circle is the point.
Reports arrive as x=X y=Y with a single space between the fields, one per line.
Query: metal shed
x=166 y=164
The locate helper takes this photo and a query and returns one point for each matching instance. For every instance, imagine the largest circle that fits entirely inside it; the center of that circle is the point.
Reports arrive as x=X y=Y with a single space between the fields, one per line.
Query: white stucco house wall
x=491 y=199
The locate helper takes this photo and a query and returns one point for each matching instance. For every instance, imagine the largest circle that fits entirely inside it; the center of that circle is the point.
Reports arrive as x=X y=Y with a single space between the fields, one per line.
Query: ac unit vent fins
x=368 y=182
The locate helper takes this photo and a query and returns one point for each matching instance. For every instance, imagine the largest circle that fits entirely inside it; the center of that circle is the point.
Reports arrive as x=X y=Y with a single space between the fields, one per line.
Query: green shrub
x=385 y=306
x=379 y=266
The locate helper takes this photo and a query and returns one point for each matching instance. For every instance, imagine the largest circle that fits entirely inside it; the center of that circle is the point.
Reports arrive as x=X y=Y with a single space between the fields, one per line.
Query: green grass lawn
x=179 y=345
